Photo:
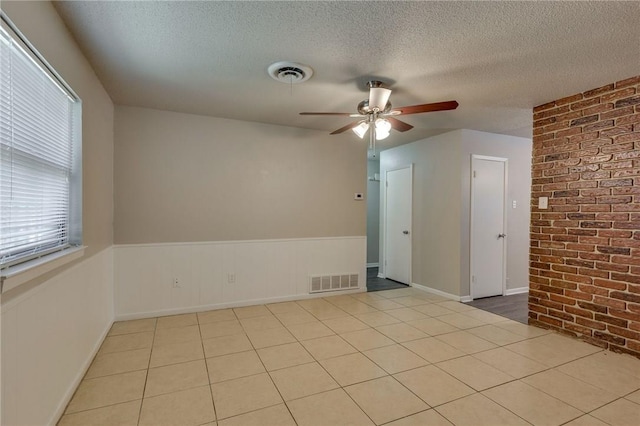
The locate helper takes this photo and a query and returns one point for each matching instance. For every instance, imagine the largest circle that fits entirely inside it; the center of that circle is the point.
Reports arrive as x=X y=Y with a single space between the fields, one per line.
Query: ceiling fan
x=378 y=113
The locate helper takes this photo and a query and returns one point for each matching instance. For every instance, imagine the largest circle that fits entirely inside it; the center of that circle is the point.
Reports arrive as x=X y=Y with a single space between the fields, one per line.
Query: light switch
x=514 y=204
x=543 y=202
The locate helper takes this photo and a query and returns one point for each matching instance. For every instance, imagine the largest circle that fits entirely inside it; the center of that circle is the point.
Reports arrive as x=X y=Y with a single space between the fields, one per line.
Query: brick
x=602 y=174
x=599 y=91
x=618 y=111
x=615 y=182
x=584 y=184
x=614 y=250
x=583 y=120
x=543 y=107
x=591 y=324
x=632 y=100
x=579 y=262
x=579 y=295
x=579 y=312
x=610 y=233
x=597 y=158
x=614 y=285
x=626 y=315
x=592 y=307
x=612 y=267
x=624 y=332
x=618 y=130
x=593 y=273
x=629 y=119
x=609 y=338
x=595 y=224
x=561 y=315
x=596 y=207
x=551 y=112
x=628 y=82
x=628 y=297
x=625 y=155
x=624 y=260
x=578 y=328
x=618 y=94
x=625 y=173
x=549 y=320
x=611 y=320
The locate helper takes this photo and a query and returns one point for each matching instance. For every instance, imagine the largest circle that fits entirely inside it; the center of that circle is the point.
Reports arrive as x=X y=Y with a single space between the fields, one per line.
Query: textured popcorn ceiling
x=497 y=59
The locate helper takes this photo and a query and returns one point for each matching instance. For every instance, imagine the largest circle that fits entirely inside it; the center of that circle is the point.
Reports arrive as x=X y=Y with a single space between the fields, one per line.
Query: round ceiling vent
x=290 y=72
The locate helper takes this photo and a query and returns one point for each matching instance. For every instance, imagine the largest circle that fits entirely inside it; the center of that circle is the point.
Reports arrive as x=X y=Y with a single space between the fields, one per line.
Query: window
x=40 y=155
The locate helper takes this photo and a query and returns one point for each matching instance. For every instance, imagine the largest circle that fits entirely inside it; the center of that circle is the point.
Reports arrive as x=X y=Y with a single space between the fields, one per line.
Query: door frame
x=384 y=222
x=474 y=158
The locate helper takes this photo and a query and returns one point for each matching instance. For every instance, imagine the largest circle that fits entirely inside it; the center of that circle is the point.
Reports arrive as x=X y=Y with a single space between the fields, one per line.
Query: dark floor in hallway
x=514 y=307
x=376 y=284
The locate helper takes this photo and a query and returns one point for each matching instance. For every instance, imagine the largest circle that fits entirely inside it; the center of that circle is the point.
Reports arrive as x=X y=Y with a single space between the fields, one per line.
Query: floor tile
x=496 y=335
x=586 y=420
x=394 y=359
x=284 y=307
x=172 y=321
x=432 y=326
x=606 y=371
x=133 y=326
x=384 y=304
x=406 y=314
x=424 y=418
x=401 y=332
x=176 y=353
x=328 y=408
x=364 y=340
x=400 y=292
x=310 y=330
x=119 y=362
x=433 y=385
x=466 y=342
x=242 y=395
x=283 y=356
x=478 y=410
x=176 y=377
x=523 y=330
x=384 y=399
x=375 y=319
x=484 y=316
x=410 y=301
x=233 y=366
x=513 y=364
x=356 y=308
x=456 y=306
x=547 y=354
x=108 y=390
x=433 y=310
x=302 y=380
x=271 y=337
x=277 y=415
x=526 y=402
x=127 y=342
x=574 y=392
x=461 y=321
x=619 y=413
x=125 y=414
x=474 y=372
x=328 y=347
x=251 y=311
x=293 y=318
x=260 y=323
x=220 y=328
x=183 y=408
x=168 y=336
x=327 y=312
x=226 y=345
x=634 y=397
x=353 y=368
x=433 y=350
x=345 y=324
x=215 y=316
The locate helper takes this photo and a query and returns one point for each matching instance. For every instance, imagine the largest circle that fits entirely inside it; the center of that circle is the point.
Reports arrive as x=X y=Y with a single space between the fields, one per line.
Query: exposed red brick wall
x=585 y=248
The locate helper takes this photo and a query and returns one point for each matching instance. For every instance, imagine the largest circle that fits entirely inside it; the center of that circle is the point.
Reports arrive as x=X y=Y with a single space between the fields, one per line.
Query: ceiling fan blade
x=345 y=128
x=348 y=114
x=398 y=125
x=378 y=98
x=437 y=106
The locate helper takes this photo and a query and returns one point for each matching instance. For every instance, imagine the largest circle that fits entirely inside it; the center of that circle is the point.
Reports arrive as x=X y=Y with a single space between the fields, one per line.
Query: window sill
x=14 y=276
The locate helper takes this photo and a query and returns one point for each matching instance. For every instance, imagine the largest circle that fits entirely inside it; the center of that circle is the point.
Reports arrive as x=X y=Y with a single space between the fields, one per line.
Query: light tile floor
x=396 y=357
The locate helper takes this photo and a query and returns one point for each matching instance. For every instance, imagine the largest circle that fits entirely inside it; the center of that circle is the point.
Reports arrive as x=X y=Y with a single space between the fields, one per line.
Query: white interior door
x=398 y=225
x=488 y=237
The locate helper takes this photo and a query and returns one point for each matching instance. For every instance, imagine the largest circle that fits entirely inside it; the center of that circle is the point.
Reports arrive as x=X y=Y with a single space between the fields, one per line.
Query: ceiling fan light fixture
x=378 y=98
x=361 y=129
x=383 y=128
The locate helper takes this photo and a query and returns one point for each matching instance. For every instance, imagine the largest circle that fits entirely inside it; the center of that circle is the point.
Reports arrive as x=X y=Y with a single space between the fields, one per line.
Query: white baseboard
x=465 y=299
x=438 y=292
x=373 y=265
x=381 y=275
x=202 y=308
x=518 y=290
x=57 y=415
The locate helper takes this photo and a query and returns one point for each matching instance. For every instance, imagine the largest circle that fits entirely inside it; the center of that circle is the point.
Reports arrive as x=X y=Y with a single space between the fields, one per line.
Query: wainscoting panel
x=171 y=278
x=50 y=334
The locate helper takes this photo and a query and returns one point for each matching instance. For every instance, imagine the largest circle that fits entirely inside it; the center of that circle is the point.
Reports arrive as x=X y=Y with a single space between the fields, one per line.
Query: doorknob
x=405 y=232
x=501 y=235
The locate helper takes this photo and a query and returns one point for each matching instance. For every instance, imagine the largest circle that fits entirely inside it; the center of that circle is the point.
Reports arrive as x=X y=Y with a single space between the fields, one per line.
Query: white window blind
x=39 y=156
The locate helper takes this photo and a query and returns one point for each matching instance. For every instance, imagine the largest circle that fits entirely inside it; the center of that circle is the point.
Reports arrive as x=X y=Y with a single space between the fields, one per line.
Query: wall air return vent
x=322 y=283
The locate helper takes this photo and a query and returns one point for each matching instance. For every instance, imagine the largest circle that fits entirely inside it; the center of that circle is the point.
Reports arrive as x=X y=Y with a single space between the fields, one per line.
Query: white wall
x=441 y=200
x=264 y=271
x=51 y=325
x=436 y=208
x=518 y=152
x=373 y=213
x=49 y=337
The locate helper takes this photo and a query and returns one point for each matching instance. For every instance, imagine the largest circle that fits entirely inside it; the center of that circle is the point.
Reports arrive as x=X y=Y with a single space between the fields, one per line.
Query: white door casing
x=398 y=205
x=488 y=226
